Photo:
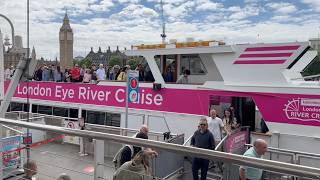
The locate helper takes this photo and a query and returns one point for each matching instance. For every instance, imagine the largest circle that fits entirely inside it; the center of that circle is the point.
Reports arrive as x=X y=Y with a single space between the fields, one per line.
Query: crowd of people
x=85 y=74
x=95 y=74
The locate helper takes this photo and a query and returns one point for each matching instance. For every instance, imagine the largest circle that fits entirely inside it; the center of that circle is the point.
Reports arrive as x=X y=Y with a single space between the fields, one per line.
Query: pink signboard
x=281 y=108
x=236 y=142
x=290 y=109
x=169 y=100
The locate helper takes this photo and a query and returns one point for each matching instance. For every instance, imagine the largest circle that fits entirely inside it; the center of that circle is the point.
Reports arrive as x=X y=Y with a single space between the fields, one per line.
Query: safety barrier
x=283 y=168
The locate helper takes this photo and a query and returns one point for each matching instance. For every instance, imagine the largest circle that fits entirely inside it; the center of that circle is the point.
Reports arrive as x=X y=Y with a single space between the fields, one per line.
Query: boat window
x=113 y=119
x=193 y=63
x=45 y=110
x=312 y=69
x=94 y=117
x=16 y=106
x=57 y=111
x=73 y=113
x=26 y=107
x=34 y=108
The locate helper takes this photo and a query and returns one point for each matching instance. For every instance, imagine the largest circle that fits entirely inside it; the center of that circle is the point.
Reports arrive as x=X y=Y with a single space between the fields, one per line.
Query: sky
x=130 y=22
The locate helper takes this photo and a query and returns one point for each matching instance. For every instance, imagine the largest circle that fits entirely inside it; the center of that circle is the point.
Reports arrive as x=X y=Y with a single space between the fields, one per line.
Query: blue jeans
x=202 y=164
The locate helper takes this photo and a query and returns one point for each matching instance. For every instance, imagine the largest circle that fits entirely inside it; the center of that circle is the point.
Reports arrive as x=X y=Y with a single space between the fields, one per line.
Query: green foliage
x=85 y=62
x=134 y=61
x=115 y=60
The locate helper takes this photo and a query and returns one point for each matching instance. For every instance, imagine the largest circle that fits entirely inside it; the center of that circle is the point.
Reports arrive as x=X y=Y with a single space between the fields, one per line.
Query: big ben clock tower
x=66 y=44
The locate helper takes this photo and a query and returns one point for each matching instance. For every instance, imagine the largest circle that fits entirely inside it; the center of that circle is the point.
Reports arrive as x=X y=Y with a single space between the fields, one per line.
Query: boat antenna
x=163 y=35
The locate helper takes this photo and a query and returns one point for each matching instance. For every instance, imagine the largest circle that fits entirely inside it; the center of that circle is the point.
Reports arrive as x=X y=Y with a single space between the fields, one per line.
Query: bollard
x=98 y=159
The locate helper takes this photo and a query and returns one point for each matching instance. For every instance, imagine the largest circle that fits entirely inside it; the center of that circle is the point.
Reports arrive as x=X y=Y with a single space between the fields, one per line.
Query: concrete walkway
x=54 y=159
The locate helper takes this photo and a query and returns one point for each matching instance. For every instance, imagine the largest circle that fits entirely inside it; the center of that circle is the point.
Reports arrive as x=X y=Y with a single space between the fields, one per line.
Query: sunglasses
x=202 y=124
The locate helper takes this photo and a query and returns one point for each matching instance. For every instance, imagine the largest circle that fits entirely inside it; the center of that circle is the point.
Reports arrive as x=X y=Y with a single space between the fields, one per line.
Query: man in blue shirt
x=248 y=173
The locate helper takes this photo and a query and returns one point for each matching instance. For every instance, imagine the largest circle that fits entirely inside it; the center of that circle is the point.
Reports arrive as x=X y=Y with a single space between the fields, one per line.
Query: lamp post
x=12 y=28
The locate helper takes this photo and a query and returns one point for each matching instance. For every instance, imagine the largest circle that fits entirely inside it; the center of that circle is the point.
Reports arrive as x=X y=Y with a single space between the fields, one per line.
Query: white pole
x=127 y=103
x=1 y=68
x=2 y=95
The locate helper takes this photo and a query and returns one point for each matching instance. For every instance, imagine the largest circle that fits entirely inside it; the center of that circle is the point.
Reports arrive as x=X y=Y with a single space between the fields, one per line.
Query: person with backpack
x=127 y=152
x=138 y=168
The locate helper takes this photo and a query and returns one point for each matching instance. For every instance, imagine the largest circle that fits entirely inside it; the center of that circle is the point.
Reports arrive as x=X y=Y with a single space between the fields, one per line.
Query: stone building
x=103 y=57
x=66 y=43
x=12 y=55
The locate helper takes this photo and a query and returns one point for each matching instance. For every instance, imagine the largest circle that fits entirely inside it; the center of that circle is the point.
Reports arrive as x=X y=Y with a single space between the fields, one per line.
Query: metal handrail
x=221 y=143
x=12 y=129
x=189 y=138
x=123 y=129
x=291 y=151
x=88 y=124
x=284 y=168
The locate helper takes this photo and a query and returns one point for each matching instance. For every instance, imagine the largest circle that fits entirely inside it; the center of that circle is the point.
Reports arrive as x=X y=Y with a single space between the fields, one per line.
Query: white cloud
x=282 y=7
x=247 y=11
x=281 y=18
x=315 y=4
x=104 y=5
x=134 y=10
x=126 y=1
x=203 y=5
x=178 y=12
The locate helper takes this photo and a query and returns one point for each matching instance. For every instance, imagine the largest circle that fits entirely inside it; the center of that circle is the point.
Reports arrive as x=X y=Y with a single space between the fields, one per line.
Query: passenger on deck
x=64 y=176
x=93 y=74
x=168 y=75
x=141 y=72
x=202 y=138
x=30 y=169
x=136 y=169
x=101 y=73
x=184 y=79
x=75 y=73
x=215 y=125
x=114 y=72
x=259 y=148
x=123 y=74
x=87 y=76
x=229 y=121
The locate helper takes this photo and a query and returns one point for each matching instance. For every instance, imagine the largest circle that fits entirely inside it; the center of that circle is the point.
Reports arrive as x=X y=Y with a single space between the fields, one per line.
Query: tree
x=114 y=60
x=133 y=63
x=85 y=61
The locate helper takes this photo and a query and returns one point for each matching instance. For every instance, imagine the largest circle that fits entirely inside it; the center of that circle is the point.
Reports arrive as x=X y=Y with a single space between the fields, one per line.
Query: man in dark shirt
x=202 y=138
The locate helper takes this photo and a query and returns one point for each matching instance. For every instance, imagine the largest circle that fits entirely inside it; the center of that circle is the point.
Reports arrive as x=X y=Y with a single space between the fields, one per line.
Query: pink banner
x=236 y=142
x=169 y=100
x=290 y=109
x=281 y=108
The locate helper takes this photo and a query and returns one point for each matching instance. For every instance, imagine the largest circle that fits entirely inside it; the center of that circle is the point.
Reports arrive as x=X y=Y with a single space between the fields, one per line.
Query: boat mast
x=163 y=35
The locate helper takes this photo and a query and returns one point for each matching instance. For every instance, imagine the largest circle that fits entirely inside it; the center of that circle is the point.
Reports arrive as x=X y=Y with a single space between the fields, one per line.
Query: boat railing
x=296 y=156
x=267 y=165
x=158 y=136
